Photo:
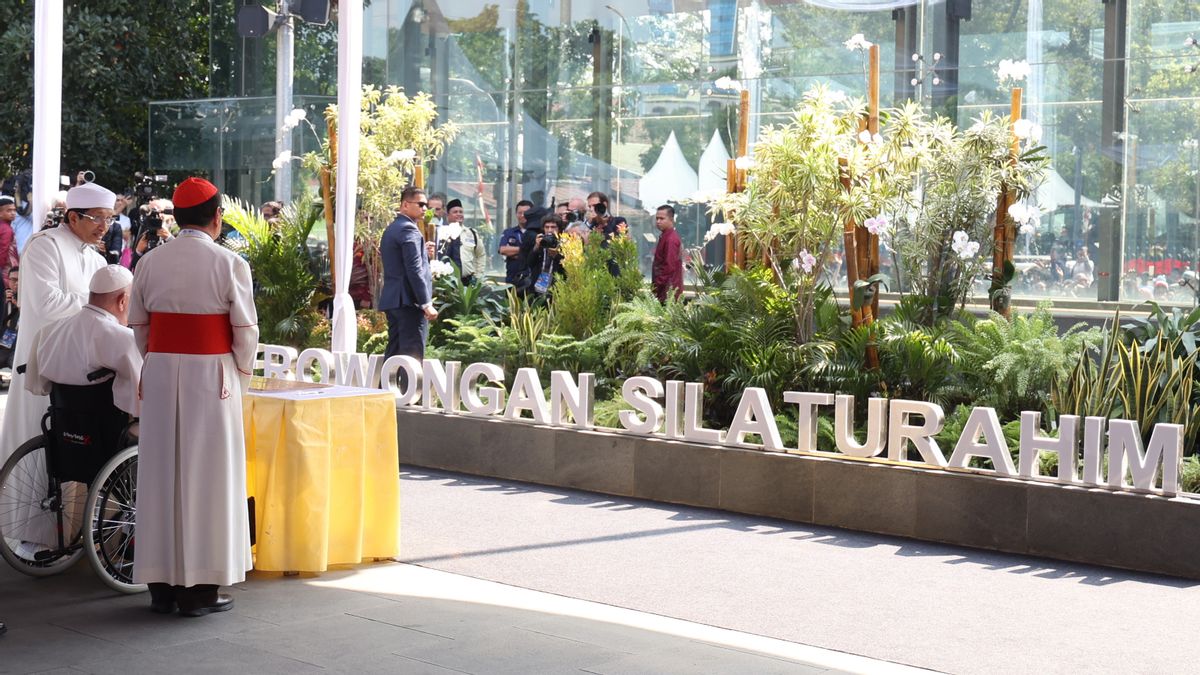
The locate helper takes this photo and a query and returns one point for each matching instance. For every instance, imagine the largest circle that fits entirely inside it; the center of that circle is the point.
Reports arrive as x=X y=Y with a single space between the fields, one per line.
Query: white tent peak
x=714 y=165
x=671 y=179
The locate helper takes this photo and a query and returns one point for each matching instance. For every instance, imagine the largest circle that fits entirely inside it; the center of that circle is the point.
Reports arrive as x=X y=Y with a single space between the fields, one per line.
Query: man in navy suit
x=407 y=296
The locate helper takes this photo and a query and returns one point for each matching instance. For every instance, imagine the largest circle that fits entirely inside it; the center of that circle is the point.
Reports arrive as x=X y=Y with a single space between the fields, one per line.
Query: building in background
x=562 y=97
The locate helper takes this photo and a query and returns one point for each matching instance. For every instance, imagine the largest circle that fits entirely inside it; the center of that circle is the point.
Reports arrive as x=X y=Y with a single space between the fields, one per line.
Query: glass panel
x=557 y=99
x=1161 y=208
x=1062 y=40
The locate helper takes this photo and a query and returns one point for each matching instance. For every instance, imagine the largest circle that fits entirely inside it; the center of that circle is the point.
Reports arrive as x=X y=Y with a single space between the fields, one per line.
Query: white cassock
x=190 y=297
x=56 y=269
x=68 y=351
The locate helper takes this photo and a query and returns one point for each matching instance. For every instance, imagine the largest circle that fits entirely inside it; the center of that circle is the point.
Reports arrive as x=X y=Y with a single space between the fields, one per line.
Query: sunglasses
x=423 y=205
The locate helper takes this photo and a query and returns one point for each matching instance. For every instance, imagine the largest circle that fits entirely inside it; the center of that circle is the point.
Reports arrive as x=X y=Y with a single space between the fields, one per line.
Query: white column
x=350 y=32
x=284 y=67
x=47 y=104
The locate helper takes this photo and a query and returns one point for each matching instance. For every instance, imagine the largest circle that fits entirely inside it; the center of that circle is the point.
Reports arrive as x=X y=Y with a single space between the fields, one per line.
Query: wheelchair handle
x=99 y=374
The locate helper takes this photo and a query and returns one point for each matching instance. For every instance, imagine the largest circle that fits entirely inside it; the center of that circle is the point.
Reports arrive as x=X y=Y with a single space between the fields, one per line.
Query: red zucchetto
x=193 y=192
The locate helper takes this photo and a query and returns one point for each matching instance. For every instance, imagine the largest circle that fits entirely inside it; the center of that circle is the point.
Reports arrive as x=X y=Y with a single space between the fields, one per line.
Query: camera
x=601 y=209
x=55 y=217
x=143 y=188
x=549 y=240
x=152 y=222
x=575 y=216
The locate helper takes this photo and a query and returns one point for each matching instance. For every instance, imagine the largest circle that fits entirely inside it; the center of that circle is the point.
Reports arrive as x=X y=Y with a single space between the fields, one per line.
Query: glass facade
x=557 y=98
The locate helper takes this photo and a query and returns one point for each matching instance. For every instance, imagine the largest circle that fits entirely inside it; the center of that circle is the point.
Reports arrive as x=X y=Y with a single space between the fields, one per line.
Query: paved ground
x=937 y=607
x=382 y=618
x=385 y=618
x=506 y=577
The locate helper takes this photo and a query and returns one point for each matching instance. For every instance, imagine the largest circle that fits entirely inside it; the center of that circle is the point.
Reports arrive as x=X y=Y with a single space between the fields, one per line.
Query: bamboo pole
x=850 y=244
x=1004 y=234
x=872 y=240
x=327 y=198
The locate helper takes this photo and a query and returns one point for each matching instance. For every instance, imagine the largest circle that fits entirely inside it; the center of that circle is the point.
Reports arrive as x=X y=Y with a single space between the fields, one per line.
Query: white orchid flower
x=282 y=159
x=440 y=268
x=857 y=42
x=728 y=83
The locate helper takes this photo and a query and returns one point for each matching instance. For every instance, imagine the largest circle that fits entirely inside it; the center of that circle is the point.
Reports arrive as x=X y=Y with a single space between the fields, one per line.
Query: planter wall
x=1127 y=530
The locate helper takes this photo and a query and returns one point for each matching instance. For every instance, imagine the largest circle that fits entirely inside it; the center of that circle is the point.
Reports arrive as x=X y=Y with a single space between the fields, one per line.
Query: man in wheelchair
x=89 y=364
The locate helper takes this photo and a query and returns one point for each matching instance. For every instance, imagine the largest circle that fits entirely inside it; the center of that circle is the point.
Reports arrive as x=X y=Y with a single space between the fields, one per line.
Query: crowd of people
x=532 y=250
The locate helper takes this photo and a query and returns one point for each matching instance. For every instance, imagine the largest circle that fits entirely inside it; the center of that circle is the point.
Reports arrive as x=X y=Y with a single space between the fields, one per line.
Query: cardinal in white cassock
x=56 y=267
x=192 y=314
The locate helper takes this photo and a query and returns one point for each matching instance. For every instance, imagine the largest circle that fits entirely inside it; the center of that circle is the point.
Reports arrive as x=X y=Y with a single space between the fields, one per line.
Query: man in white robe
x=95 y=338
x=56 y=267
x=67 y=352
x=192 y=314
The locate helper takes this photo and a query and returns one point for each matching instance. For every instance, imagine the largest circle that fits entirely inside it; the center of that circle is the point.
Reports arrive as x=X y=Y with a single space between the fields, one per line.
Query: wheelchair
x=73 y=490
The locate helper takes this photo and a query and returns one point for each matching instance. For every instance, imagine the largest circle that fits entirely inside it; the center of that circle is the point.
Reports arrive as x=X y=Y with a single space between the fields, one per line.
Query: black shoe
x=223 y=603
x=165 y=607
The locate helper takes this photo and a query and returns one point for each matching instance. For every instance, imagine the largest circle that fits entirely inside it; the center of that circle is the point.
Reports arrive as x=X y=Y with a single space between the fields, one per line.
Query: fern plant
x=1012 y=364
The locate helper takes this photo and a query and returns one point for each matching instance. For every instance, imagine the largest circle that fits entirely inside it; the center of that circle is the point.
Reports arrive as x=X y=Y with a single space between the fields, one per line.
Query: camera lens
x=601 y=209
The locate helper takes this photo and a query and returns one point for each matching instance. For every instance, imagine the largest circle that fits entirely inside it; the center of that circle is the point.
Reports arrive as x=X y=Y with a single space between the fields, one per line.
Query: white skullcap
x=90 y=196
x=110 y=278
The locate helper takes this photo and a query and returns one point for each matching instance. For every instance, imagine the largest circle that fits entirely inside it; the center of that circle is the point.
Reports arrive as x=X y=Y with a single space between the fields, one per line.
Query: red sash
x=190 y=333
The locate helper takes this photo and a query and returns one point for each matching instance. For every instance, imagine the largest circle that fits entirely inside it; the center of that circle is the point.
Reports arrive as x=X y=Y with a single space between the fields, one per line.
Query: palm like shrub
x=284 y=282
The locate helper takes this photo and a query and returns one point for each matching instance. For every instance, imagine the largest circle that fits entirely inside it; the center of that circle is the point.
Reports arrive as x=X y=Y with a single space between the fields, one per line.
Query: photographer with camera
x=156 y=217
x=603 y=221
x=545 y=260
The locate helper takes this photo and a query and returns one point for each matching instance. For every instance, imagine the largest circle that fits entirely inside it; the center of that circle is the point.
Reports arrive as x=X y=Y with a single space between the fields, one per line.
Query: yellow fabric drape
x=324 y=474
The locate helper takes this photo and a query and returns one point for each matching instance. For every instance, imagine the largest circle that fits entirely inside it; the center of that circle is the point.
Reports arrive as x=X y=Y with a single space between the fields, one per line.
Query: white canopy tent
x=1056 y=193
x=714 y=166
x=671 y=179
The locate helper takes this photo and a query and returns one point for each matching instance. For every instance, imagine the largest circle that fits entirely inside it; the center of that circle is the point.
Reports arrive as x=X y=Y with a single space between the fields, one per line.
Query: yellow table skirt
x=324 y=474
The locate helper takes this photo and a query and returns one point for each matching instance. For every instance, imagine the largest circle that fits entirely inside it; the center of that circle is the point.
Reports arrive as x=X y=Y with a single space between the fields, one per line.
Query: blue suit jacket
x=407 y=280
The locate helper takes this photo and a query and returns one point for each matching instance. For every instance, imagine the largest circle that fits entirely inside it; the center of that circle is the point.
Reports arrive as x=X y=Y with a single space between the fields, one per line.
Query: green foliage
x=962 y=173
x=1121 y=381
x=1013 y=364
x=454 y=299
x=118 y=54
x=915 y=362
x=282 y=267
x=399 y=133
x=627 y=336
x=1170 y=325
x=740 y=335
x=471 y=341
x=585 y=299
x=607 y=412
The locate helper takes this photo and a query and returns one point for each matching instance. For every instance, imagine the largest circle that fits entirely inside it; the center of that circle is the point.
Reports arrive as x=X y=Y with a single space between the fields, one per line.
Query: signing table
x=323 y=468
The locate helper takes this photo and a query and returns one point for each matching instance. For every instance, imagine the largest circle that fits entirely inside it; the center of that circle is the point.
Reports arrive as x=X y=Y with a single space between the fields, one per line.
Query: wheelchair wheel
x=112 y=505
x=41 y=519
